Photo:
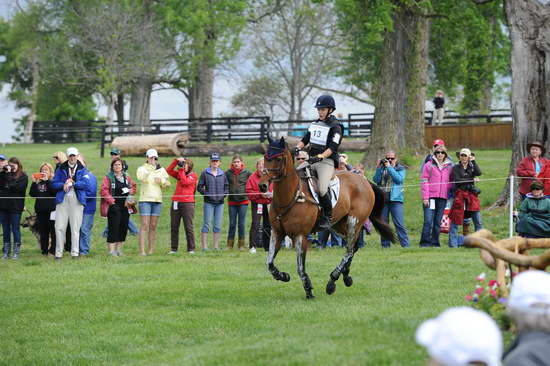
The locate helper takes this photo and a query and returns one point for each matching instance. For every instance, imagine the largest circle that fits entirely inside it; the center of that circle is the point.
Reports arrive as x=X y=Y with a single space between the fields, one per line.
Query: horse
x=295 y=213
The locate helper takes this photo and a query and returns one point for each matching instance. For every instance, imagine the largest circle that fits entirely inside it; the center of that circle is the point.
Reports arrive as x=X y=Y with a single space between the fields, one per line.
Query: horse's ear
x=264 y=148
x=269 y=139
x=282 y=141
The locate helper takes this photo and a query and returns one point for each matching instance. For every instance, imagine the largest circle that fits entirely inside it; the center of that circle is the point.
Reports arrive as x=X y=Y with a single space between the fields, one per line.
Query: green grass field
x=223 y=308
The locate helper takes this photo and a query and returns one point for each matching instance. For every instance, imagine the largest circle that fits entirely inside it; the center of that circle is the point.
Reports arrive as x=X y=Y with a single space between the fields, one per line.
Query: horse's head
x=278 y=163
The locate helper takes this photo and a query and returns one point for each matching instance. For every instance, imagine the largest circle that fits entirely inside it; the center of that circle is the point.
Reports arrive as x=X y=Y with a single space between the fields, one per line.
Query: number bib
x=318 y=134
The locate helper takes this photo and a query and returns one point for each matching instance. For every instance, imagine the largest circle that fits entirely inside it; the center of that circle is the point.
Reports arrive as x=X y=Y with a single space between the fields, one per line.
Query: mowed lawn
x=223 y=308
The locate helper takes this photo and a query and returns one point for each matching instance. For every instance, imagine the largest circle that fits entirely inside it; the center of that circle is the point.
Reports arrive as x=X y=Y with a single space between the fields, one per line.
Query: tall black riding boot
x=326 y=213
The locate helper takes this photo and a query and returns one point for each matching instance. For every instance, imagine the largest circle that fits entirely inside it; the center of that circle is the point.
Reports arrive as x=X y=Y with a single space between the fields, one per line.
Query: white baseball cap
x=152 y=153
x=530 y=292
x=72 y=151
x=461 y=335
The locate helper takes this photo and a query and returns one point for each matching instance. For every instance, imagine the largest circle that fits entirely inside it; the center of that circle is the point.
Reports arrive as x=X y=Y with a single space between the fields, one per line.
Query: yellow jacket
x=150 y=190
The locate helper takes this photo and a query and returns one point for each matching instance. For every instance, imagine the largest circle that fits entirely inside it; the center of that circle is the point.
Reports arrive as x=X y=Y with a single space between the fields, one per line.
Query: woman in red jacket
x=530 y=167
x=260 y=214
x=183 y=202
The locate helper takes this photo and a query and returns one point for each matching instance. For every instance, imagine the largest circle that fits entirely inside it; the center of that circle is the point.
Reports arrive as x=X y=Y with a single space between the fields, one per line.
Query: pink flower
x=493 y=293
x=479 y=290
x=469 y=298
x=493 y=283
x=481 y=277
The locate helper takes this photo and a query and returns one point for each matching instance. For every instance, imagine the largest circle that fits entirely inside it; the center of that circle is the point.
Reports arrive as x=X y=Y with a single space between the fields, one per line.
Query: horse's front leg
x=274 y=246
x=301 y=249
x=345 y=263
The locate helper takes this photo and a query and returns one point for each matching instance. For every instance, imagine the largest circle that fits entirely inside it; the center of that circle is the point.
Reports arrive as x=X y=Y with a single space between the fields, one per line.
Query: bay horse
x=294 y=213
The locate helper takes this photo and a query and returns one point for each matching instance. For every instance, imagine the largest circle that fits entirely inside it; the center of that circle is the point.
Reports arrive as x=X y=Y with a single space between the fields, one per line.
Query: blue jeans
x=210 y=210
x=456 y=240
x=237 y=213
x=432 y=223
x=86 y=233
x=397 y=214
x=10 y=224
x=335 y=239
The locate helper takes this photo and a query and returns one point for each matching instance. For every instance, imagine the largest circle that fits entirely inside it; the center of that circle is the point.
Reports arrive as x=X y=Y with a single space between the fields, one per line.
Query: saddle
x=310 y=177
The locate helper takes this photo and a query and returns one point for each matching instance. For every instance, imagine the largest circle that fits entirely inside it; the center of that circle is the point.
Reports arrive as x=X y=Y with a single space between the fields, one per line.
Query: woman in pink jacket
x=435 y=187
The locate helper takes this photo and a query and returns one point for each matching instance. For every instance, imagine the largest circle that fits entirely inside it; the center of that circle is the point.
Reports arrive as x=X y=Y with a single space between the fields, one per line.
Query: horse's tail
x=385 y=230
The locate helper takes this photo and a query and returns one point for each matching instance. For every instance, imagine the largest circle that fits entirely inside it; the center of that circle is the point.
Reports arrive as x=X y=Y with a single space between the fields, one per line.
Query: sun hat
x=115 y=151
x=530 y=292
x=214 y=156
x=152 y=153
x=464 y=151
x=461 y=335
x=72 y=151
x=537 y=144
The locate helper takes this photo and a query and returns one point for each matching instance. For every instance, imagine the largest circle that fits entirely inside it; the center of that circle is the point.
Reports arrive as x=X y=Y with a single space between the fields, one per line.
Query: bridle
x=279 y=173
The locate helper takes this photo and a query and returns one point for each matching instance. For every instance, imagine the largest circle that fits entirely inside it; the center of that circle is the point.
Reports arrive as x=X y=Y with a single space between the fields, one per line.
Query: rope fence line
x=249 y=194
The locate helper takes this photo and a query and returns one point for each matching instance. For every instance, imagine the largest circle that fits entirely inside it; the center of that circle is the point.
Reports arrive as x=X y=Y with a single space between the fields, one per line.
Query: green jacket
x=237 y=185
x=534 y=217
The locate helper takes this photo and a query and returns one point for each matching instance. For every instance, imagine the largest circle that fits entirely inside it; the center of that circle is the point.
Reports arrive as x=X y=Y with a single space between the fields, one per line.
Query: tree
x=260 y=97
x=389 y=56
x=530 y=52
x=111 y=44
x=294 y=49
x=468 y=50
x=22 y=40
x=206 y=34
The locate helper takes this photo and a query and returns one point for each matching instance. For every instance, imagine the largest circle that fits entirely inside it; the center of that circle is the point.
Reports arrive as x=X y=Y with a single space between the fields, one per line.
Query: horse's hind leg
x=274 y=246
x=345 y=263
x=301 y=250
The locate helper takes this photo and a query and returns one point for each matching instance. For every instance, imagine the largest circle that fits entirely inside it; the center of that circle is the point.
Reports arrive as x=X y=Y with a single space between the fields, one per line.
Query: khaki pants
x=70 y=210
x=439 y=113
x=325 y=171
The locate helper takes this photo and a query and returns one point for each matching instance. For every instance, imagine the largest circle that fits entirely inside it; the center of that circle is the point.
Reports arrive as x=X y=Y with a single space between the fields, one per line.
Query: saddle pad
x=334 y=188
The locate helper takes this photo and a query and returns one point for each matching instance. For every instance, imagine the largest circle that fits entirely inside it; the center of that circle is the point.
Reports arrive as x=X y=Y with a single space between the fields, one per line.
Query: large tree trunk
x=140 y=103
x=401 y=89
x=530 y=36
x=27 y=135
x=200 y=99
x=119 y=108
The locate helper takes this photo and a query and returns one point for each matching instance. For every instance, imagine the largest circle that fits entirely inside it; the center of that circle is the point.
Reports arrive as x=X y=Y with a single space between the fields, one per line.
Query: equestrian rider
x=324 y=137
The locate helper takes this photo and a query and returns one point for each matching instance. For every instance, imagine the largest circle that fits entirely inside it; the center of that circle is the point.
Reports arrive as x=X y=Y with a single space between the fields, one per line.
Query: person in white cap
x=71 y=184
x=461 y=336
x=529 y=308
x=466 y=201
x=154 y=179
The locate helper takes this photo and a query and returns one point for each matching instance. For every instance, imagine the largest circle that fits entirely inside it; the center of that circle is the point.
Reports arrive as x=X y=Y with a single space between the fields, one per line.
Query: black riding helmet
x=325 y=101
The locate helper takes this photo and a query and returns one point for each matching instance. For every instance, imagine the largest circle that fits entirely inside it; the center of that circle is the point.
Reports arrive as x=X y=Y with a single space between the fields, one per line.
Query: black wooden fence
x=222 y=129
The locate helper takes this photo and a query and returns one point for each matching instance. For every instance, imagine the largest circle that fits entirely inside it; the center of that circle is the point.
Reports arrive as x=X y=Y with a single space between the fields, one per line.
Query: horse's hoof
x=310 y=296
x=331 y=287
x=348 y=281
x=285 y=277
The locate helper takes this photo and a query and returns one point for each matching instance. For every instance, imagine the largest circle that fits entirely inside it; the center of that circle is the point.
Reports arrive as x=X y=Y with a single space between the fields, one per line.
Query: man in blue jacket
x=70 y=182
x=89 y=211
x=390 y=176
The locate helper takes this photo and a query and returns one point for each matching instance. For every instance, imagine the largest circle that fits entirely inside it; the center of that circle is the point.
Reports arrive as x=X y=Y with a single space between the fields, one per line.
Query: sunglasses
x=390 y=158
x=440 y=152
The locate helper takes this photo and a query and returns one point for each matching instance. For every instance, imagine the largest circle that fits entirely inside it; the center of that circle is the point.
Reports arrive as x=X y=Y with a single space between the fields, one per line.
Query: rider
x=324 y=137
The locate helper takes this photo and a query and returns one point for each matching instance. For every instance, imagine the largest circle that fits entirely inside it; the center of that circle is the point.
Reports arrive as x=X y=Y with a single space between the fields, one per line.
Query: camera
x=6 y=168
x=384 y=161
x=181 y=163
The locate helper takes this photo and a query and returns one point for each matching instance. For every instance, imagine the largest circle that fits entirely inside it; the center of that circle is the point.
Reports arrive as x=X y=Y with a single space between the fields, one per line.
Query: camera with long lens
x=181 y=163
x=384 y=161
